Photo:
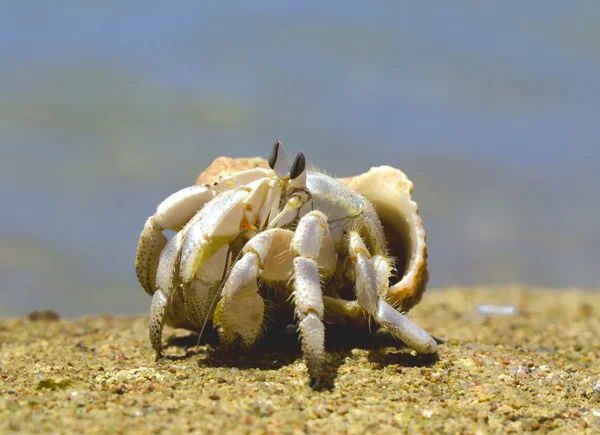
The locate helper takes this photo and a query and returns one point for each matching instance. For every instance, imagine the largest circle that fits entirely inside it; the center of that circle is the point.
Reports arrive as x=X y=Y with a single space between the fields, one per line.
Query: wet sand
x=536 y=370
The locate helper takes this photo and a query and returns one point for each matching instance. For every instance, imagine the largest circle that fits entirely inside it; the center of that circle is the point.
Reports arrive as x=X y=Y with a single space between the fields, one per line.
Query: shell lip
x=389 y=191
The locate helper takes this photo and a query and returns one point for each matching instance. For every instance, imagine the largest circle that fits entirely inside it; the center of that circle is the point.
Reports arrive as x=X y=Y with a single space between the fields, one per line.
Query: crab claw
x=223 y=219
x=175 y=212
x=152 y=241
x=172 y=214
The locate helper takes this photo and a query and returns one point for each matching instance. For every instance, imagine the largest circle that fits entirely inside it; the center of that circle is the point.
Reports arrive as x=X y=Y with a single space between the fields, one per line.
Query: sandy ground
x=537 y=370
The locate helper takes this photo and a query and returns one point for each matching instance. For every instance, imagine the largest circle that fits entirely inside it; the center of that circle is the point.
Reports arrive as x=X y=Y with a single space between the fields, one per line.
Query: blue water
x=107 y=107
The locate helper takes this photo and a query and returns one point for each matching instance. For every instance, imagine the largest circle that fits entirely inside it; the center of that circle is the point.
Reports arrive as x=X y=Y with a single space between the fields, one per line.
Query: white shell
x=389 y=190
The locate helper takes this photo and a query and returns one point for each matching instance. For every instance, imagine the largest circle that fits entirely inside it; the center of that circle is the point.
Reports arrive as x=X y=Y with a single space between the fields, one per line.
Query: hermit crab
x=332 y=249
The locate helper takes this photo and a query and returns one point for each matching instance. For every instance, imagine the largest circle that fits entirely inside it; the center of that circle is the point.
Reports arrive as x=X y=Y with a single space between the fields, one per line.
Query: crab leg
x=290 y=211
x=166 y=280
x=198 y=295
x=240 y=312
x=223 y=219
x=156 y=321
x=340 y=312
x=368 y=279
x=151 y=243
x=172 y=214
x=243 y=306
x=312 y=242
x=269 y=208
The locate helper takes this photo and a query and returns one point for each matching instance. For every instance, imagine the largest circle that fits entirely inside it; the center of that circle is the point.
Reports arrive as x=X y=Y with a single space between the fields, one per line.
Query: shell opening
x=389 y=190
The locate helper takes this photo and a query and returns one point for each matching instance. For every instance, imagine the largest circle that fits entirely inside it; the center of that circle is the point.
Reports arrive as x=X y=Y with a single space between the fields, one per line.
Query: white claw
x=171 y=214
x=222 y=220
x=242 y=308
x=199 y=294
x=166 y=265
x=157 y=320
x=174 y=213
x=218 y=225
x=151 y=243
x=167 y=275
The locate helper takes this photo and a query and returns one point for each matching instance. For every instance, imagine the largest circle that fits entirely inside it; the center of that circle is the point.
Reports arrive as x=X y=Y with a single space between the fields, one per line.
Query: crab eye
x=273 y=155
x=298 y=166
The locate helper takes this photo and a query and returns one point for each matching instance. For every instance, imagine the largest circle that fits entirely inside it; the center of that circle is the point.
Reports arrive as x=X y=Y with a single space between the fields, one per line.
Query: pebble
x=43 y=315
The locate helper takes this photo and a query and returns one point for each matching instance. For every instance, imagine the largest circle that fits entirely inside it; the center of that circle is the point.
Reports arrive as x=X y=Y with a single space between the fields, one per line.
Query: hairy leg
x=199 y=294
x=240 y=312
x=312 y=243
x=156 y=321
x=368 y=282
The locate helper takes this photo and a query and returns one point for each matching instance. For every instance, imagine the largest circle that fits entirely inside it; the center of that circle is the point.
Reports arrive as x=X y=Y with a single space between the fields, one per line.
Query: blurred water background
x=492 y=109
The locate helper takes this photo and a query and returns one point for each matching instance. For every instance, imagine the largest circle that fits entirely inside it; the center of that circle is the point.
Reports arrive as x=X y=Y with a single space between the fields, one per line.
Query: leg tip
x=322 y=381
x=429 y=347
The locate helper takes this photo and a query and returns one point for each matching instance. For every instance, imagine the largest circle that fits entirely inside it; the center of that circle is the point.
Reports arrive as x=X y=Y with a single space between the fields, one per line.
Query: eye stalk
x=298 y=166
x=273 y=155
x=298 y=172
x=279 y=161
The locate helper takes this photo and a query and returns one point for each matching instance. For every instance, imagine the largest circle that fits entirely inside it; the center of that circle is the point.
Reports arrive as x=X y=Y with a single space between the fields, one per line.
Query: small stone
x=341 y=410
x=81 y=345
x=120 y=389
x=320 y=412
x=43 y=315
x=53 y=384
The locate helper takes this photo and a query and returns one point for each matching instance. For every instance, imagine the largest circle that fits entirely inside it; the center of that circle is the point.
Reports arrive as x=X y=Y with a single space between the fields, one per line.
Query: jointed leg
x=151 y=243
x=199 y=294
x=222 y=221
x=311 y=239
x=172 y=214
x=240 y=312
x=156 y=321
x=166 y=282
x=368 y=281
x=157 y=261
x=241 y=309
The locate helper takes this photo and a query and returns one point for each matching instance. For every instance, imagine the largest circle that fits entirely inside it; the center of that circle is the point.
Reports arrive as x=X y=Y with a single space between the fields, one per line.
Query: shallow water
x=107 y=108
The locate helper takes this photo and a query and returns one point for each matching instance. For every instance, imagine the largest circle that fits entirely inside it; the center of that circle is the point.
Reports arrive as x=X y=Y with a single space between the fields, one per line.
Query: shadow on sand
x=279 y=349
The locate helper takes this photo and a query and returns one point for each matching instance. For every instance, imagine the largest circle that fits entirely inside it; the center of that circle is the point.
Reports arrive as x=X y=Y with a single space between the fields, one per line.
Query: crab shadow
x=279 y=349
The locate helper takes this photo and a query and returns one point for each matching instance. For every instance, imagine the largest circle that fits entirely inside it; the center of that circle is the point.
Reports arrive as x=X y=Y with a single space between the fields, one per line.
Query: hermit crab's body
x=287 y=228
